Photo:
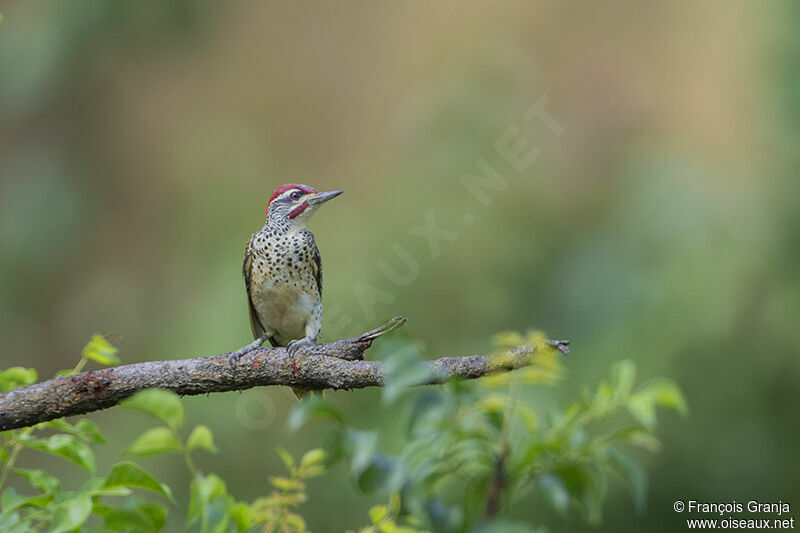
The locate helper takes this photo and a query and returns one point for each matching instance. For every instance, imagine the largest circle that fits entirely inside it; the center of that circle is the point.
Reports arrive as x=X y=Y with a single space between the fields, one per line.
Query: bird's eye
x=296 y=195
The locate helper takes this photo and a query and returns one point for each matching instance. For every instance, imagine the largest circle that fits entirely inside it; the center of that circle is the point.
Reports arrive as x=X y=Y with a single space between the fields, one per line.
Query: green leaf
x=665 y=393
x=314 y=408
x=556 y=492
x=287 y=459
x=285 y=484
x=160 y=403
x=10 y=523
x=493 y=403
x=40 y=479
x=116 y=491
x=362 y=446
x=404 y=369
x=141 y=516
x=623 y=375
x=635 y=435
x=73 y=515
x=156 y=514
x=507 y=339
x=242 y=515
x=633 y=474
x=210 y=486
x=64 y=446
x=295 y=522
x=312 y=458
x=129 y=474
x=16 y=377
x=586 y=485
x=201 y=437
x=641 y=407
x=10 y=500
x=84 y=429
x=88 y=431
x=382 y=473
x=154 y=441
x=100 y=350
x=378 y=513
x=642 y=404
x=208 y=493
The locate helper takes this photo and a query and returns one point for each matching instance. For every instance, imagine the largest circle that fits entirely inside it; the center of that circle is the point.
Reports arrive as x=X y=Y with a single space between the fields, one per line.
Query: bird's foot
x=293 y=346
x=234 y=357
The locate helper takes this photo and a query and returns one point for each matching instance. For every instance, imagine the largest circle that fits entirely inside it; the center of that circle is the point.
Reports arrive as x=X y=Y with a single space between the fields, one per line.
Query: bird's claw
x=234 y=357
x=293 y=346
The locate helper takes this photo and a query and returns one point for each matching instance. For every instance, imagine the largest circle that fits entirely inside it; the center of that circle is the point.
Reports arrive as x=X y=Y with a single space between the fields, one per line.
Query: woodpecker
x=283 y=270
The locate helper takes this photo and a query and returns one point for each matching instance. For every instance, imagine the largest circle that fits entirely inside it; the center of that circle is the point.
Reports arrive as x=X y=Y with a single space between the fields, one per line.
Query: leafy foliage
x=100 y=350
x=160 y=404
x=473 y=450
x=476 y=449
x=51 y=507
x=385 y=519
x=211 y=507
x=15 y=377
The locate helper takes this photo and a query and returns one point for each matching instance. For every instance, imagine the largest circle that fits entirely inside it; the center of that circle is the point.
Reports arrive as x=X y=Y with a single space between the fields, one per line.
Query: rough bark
x=336 y=365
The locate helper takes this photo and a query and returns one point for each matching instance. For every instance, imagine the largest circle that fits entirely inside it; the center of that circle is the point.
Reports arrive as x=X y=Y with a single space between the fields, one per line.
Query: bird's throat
x=297 y=211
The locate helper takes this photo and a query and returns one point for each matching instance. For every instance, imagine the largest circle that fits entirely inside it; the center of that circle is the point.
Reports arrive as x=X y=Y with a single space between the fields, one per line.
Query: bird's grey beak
x=323 y=197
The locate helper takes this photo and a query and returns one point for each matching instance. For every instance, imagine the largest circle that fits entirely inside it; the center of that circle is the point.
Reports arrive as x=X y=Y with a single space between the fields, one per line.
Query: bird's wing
x=316 y=269
x=247 y=269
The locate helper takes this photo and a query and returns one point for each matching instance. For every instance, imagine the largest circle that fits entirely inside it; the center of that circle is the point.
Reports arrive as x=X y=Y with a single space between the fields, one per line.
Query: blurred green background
x=140 y=141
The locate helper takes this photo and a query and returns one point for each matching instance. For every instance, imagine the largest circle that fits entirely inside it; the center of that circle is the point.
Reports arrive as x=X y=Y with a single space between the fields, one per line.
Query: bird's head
x=295 y=203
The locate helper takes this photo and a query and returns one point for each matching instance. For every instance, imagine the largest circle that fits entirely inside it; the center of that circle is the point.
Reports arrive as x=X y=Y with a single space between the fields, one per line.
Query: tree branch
x=336 y=365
